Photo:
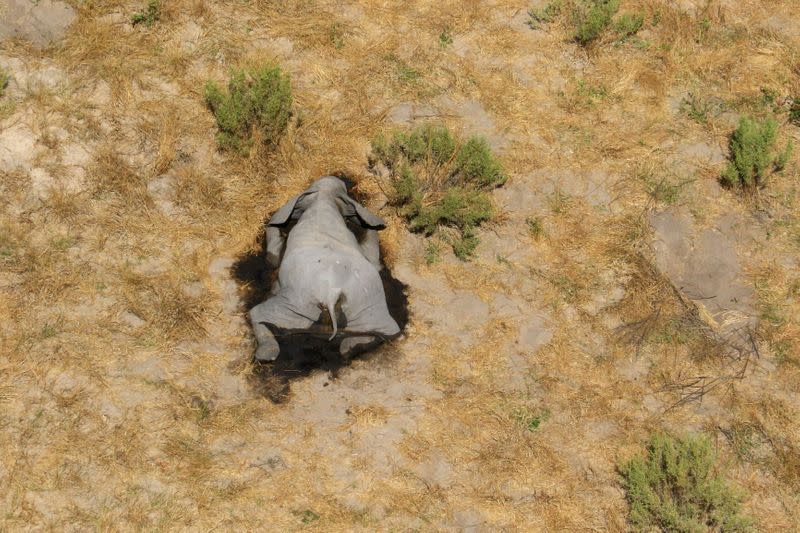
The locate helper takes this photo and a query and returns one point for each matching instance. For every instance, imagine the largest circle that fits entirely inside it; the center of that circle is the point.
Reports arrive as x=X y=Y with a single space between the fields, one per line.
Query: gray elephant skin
x=324 y=267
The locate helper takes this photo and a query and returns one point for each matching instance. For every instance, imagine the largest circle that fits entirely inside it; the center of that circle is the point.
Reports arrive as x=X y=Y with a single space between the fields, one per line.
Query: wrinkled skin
x=324 y=267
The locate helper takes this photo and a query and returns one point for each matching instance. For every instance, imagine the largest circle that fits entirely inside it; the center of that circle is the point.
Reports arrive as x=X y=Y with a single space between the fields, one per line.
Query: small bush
x=149 y=16
x=752 y=153
x=591 y=18
x=258 y=99
x=676 y=487
x=440 y=181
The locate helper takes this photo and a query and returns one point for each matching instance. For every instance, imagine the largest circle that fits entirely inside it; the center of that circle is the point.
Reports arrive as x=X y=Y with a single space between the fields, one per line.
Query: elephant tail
x=333 y=297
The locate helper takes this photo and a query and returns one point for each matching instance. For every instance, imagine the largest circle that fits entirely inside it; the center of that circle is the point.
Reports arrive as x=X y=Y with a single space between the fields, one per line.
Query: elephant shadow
x=303 y=354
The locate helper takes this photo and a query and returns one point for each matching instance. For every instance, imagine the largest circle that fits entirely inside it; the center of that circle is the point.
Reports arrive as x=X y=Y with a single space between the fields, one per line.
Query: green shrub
x=591 y=18
x=258 y=99
x=676 y=487
x=149 y=16
x=438 y=181
x=752 y=154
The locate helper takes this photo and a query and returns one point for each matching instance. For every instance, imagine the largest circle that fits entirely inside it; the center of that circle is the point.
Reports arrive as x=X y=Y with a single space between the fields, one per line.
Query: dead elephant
x=324 y=268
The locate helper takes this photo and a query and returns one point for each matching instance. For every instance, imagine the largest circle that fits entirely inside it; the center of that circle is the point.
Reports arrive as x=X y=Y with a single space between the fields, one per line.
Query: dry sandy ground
x=653 y=300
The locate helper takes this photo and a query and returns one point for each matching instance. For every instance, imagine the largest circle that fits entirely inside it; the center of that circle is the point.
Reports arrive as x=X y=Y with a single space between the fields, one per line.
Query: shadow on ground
x=302 y=354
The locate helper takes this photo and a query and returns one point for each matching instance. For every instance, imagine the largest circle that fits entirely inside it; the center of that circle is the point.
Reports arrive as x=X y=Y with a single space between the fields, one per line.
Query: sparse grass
x=535 y=227
x=794 y=112
x=336 y=35
x=628 y=24
x=438 y=180
x=589 y=19
x=545 y=15
x=699 y=109
x=752 y=153
x=432 y=253
x=677 y=487
x=4 y=79
x=405 y=73
x=445 y=38
x=149 y=15
x=258 y=103
x=530 y=420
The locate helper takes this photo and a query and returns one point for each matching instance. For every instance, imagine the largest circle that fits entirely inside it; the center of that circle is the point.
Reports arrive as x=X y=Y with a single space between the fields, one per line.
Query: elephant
x=324 y=267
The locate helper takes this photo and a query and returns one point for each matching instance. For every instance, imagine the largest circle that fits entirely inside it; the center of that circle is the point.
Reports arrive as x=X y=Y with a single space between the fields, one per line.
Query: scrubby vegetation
x=752 y=153
x=149 y=15
x=257 y=104
x=588 y=19
x=545 y=14
x=591 y=18
x=676 y=487
x=438 y=181
x=629 y=24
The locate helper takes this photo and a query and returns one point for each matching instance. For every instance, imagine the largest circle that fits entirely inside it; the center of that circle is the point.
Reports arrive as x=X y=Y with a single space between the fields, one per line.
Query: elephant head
x=330 y=191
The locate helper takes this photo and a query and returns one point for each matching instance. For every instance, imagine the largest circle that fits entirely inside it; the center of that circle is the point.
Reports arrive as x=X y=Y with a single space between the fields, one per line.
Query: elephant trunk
x=333 y=297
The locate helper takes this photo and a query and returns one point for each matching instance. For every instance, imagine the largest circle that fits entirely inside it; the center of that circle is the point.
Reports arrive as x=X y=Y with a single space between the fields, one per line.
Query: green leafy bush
x=752 y=153
x=676 y=487
x=258 y=100
x=149 y=16
x=591 y=18
x=439 y=181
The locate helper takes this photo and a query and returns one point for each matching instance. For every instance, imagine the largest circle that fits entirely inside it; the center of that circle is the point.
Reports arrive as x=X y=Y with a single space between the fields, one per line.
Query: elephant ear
x=283 y=214
x=367 y=218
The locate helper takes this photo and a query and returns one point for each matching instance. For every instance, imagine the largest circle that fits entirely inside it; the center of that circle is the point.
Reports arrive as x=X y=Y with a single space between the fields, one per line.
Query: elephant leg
x=352 y=346
x=281 y=312
x=371 y=247
x=376 y=320
x=268 y=348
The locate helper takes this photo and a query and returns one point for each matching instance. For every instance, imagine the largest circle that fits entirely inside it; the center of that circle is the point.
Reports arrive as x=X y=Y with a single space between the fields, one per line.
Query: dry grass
x=124 y=396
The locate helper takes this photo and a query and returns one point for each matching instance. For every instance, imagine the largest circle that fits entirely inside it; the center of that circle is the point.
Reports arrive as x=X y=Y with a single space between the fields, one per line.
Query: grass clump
x=794 y=112
x=149 y=15
x=544 y=15
x=629 y=24
x=591 y=18
x=587 y=18
x=258 y=101
x=4 y=79
x=676 y=487
x=535 y=227
x=752 y=153
x=439 y=181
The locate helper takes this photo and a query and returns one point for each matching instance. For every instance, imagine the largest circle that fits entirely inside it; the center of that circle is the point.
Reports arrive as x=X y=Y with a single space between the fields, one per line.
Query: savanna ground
x=525 y=377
